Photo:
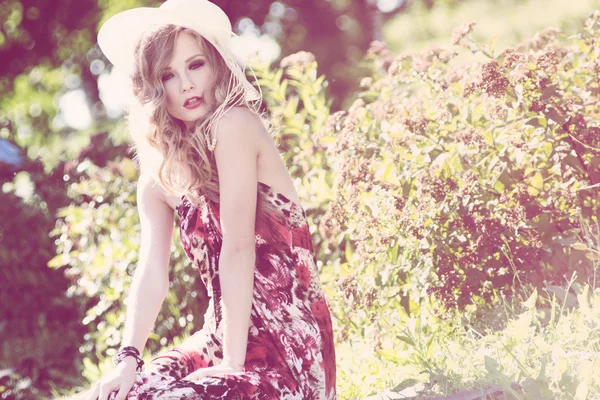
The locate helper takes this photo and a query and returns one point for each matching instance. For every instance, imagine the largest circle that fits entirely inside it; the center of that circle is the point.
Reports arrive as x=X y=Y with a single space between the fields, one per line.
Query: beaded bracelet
x=129 y=351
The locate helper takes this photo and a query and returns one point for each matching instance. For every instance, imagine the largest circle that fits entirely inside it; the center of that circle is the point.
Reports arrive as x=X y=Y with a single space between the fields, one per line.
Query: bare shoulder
x=241 y=115
x=150 y=195
x=147 y=186
x=241 y=125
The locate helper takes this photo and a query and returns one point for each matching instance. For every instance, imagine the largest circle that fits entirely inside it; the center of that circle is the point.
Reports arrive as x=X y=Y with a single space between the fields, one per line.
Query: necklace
x=209 y=143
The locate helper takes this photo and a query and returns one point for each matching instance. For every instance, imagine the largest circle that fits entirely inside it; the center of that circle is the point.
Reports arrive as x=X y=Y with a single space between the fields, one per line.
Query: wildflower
x=348 y=286
x=378 y=49
x=549 y=60
x=358 y=103
x=470 y=88
x=549 y=33
x=452 y=76
x=400 y=202
x=445 y=117
x=334 y=122
x=394 y=69
x=512 y=58
x=416 y=125
x=370 y=297
x=537 y=106
x=469 y=137
x=593 y=136
x=300 y=59
x=498 y=112
x=542 y=38
x=575 y=124
x=441 y=54
x=429 y=185
x=592 y=20
x=458 y=34
x=514 y=216
x=366 y=82
x=521 y=74
x=525 y=45
x=421 y=64
x=493 y=81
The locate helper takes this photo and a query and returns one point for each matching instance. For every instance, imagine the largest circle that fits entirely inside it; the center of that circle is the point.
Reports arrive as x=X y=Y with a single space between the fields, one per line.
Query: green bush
x=460 y=179
x=99 y=240
x=39 y=324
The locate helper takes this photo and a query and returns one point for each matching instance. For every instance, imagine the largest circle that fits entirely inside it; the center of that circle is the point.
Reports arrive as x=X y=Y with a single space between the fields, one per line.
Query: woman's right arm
x=151 y=278
x=149 y=286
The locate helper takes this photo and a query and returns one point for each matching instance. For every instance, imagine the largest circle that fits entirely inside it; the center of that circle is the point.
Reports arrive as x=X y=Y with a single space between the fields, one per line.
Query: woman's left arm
x=236 y=155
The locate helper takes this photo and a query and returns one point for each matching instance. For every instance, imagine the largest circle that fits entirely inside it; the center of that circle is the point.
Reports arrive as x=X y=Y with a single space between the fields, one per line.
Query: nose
x=186 y=83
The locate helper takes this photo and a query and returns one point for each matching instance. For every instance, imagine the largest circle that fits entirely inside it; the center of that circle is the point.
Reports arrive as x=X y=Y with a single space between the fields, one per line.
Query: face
x=188 y=80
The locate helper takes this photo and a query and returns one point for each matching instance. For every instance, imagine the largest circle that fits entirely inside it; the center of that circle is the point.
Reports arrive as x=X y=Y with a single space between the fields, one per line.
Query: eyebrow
x=189 y=59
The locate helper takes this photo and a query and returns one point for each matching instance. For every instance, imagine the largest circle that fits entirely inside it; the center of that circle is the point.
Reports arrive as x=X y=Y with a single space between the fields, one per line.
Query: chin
x=192 y=116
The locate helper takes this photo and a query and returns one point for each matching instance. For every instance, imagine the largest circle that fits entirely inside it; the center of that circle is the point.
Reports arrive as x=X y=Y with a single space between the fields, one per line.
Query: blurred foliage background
x=451 y=188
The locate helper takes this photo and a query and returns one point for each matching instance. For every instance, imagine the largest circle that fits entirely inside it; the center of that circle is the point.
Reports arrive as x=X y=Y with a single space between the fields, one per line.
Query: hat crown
x=201 y=12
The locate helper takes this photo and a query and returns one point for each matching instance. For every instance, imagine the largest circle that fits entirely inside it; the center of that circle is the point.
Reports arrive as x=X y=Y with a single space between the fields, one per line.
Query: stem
x=484 y=51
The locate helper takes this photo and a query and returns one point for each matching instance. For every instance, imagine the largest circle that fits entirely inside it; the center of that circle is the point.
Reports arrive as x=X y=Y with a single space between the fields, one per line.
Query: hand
x=223 y=368
x=121 y=379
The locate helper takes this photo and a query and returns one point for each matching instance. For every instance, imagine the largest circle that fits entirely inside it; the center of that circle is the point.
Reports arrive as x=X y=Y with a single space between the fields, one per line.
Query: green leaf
x=537 y=389
x=530 y=303
x=499 y=186
x=593 y=256
x=568 y=298
x=547 y=148
x=491 y=365
x=59 y=260
x=127 y=169
x=349 y=252
x=580 y=246
x=407 y=340
x=440 y=161
x=389 y=175
x=537 y=181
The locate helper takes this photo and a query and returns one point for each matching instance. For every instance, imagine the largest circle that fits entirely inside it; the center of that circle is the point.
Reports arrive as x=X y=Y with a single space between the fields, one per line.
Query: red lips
x=192 y=102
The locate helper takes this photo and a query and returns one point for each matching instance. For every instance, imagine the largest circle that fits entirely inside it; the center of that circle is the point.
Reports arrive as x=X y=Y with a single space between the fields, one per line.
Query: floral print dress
x=290 y=353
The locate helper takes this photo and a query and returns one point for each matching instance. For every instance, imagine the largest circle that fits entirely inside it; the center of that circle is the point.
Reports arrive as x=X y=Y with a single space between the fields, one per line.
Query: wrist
x=129 y=363
x=130 y=355
x=234 y=365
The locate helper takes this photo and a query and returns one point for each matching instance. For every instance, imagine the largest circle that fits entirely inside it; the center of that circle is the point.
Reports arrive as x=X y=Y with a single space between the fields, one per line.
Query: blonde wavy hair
x=179 y=159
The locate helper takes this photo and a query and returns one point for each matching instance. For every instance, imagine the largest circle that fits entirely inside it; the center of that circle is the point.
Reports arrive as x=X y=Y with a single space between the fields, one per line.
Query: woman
x=206 y=154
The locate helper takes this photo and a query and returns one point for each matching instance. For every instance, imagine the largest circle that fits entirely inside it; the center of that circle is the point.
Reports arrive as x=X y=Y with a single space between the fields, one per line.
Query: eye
x=166 y=76
x=197 y=64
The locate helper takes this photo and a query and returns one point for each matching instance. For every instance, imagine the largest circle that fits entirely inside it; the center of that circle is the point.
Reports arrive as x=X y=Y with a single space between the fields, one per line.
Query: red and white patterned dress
x=290 y=353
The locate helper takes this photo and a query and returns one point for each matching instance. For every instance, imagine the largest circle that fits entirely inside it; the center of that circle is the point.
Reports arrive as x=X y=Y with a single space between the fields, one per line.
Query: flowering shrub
x=459 y=178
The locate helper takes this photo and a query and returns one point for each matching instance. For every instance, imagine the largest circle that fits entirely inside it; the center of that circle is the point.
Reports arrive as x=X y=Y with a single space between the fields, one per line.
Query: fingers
x=118 y=381
x=93 y=394
x=191 y=377
x=106 y=389
x=195 y=376
x=125 y=387
x=104 y=392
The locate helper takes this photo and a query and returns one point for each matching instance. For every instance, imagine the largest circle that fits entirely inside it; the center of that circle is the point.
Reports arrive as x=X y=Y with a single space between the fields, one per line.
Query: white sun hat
x=119 y=35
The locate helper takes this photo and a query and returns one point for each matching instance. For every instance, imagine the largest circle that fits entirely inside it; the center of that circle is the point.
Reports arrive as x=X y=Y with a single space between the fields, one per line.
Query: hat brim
x=119 y=35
